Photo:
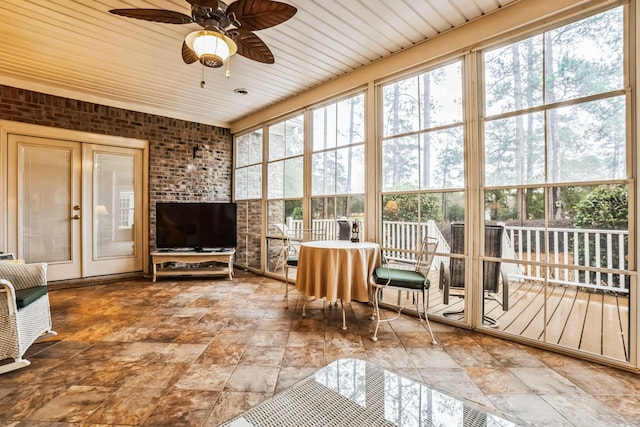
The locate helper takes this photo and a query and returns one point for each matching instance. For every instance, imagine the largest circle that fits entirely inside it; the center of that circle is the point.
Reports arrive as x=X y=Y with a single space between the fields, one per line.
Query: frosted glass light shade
x=212 y=48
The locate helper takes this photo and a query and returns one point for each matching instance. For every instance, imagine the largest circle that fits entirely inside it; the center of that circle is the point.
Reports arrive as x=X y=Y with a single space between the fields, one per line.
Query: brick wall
x=249 y=233
x=173 y=172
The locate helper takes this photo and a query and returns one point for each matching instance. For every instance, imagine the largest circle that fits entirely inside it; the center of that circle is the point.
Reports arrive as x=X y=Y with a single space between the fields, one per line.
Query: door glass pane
x=114 y=207
x=45 y=227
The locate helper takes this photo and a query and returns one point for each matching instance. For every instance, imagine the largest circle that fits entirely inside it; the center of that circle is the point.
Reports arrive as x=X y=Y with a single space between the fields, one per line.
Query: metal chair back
x=427 y=254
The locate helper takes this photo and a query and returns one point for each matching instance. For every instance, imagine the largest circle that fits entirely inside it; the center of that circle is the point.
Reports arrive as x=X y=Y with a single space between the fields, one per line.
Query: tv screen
x=195 y=226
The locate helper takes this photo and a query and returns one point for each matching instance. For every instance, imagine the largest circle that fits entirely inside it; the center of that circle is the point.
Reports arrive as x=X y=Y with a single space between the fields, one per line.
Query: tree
x=584 y=141
x=606 y=207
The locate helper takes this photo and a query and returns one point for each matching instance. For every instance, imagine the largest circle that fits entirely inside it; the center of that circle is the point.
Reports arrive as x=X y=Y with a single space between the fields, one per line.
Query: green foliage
x=455 y=213
x=412 y=207
x=297 y=213
x=497 y=204
x=571 y=197
x=606 y=207
x=293 y=209
x=535 y=203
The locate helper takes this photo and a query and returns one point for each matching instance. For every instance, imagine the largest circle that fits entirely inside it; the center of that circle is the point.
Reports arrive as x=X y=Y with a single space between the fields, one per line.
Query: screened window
x=422 y=157
x=555 y=105
x=555 y=156
x=248 y=173
x=338 y=163
x=285 y=179
x=286 y=146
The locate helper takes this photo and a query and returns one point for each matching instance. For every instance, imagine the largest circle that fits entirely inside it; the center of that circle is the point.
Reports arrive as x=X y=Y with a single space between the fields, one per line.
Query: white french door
x=112 y=199
x=75 y=206
x=44 y=203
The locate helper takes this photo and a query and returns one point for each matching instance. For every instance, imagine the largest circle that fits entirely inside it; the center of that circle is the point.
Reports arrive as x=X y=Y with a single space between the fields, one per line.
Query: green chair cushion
x=24 y=297
x=400 y=278
x=292 y=261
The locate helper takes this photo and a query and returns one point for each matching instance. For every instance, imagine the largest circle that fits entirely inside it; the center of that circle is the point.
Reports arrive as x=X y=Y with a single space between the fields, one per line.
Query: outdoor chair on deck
x=415 y=281
x=344 y=229
x=25 y=314
x=290 y=252
x=452 y=277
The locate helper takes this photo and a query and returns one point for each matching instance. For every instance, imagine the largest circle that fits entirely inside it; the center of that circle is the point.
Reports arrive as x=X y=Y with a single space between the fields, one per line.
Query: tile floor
x=198 y=352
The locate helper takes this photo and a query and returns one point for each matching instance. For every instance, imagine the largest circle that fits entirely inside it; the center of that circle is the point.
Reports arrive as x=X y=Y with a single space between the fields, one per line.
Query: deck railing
x=572 y=247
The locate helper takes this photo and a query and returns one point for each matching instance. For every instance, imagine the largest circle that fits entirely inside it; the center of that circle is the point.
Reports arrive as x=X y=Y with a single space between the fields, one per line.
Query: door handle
x=75 y=217
x=76 y=208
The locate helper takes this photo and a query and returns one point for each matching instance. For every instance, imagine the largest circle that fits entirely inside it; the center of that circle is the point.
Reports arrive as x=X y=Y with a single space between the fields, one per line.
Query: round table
x=336 y=269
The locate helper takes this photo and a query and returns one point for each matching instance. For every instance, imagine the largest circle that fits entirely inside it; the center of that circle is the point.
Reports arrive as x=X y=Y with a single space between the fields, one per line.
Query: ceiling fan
x=227 y=29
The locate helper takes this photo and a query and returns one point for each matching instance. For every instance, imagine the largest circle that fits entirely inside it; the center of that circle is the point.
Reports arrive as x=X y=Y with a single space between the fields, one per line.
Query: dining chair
x=414 y=281
x=344 y=229
x=452 y=274
x=290 y=252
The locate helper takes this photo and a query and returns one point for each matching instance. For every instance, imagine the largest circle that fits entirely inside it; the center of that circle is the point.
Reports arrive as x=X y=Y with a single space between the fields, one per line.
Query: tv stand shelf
x=192 y=257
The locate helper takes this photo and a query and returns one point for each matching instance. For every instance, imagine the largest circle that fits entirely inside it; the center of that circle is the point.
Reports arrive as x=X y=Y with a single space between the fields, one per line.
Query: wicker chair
x=25 y=314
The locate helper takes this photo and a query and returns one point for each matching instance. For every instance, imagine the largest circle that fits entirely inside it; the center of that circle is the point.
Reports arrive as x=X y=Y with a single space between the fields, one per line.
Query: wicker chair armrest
x=7 y=298
x=24 y=276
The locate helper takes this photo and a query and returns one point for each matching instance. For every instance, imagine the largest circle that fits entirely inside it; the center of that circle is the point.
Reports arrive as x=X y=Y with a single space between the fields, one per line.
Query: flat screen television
x=195 y=226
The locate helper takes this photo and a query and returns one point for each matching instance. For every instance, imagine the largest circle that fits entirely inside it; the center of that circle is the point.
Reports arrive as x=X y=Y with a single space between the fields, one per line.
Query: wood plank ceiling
x=76 y=49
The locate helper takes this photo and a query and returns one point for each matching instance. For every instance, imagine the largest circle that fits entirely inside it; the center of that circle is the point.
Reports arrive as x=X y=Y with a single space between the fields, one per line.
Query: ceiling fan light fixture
x=211 y=47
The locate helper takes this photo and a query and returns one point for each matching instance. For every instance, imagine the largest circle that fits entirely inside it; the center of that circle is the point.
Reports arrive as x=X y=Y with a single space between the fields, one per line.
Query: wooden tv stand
x=192 y=257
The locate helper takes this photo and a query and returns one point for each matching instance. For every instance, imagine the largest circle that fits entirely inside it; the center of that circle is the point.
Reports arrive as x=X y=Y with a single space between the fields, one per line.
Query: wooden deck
x=579 y=319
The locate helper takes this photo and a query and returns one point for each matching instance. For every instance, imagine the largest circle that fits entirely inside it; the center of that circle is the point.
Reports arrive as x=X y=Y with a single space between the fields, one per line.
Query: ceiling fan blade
x=188 y=55
x=256 y=15
x=154 y=15
x=252 y=47
x=213 y=4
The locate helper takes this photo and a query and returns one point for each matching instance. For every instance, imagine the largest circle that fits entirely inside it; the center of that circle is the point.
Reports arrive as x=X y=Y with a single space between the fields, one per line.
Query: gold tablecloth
x=336 y=269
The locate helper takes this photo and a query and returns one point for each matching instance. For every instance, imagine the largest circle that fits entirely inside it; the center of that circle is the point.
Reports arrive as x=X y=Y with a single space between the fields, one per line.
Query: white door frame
x=7 y=206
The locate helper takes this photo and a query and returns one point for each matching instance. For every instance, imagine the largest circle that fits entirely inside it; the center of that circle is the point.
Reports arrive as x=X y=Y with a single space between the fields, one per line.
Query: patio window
x=284 y=185
x=248 y=156
x=555 y=157
x=338 y=164
x=248 y=196
x=422 y=172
